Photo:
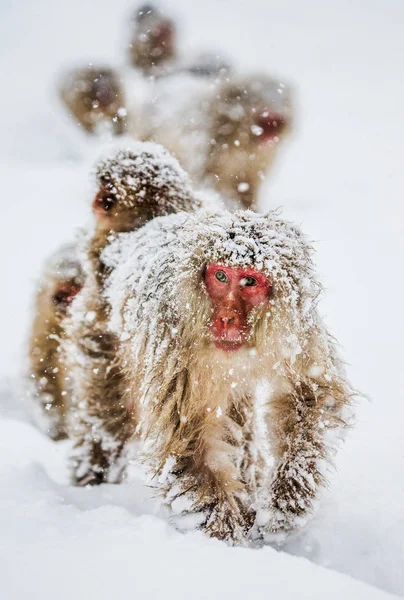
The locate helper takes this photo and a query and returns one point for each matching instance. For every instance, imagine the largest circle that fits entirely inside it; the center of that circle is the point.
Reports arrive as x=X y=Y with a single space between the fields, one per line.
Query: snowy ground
x=342 y=178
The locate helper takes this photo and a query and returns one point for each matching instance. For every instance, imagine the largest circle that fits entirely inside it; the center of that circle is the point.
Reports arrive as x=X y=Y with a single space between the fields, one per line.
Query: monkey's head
x=153 y=39
x=94 y=97
x=250 y=117
x=138 y=183
x=254 y=111
x=222 y=283
x=234 y=293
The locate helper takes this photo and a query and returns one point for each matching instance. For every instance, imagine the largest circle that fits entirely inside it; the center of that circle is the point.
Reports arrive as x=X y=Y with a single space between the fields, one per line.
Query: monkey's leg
x=101 y=423
x=298 y=436
x=48 y=375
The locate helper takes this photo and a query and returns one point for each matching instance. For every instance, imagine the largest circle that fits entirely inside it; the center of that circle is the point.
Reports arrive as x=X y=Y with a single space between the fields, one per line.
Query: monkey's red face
x=64 y=296
x=104 y=202
x=269 y=128
x=234 y=292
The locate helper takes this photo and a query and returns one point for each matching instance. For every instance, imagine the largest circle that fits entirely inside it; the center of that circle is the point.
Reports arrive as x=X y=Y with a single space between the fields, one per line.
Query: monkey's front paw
x=220 y=520
x=292 y=491
x=290 y=503
x=85 y=474
x=57 y=431
x=271 y=526
x=287 y=511
x=88 y=465
x=227 y=522
x=51 y=421
x=92 y=465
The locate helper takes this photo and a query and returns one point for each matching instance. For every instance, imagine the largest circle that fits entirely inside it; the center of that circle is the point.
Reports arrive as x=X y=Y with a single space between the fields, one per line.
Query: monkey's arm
x=100 y=422
x=298 y=423
x=200 y=452
x=47 y=377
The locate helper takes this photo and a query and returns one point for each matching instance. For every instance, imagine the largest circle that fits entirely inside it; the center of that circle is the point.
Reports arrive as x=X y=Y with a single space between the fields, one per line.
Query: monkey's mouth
x=227 y=345
x=268 y=128
x=229 y=341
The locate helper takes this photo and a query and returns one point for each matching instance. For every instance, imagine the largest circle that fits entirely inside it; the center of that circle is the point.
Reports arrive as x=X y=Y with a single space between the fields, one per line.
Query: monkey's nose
x=226 y=321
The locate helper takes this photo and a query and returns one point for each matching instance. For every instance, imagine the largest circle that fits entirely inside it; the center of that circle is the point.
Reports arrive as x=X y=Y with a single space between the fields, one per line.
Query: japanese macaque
x=94 y=98
x=128 y=194
x=135 y=185
x=61 y=282
x=152 y=47
x=208 y=307
x=225 y=131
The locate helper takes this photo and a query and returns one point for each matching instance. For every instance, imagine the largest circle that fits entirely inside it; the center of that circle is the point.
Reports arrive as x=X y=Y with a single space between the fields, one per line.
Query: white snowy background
x=342 y=178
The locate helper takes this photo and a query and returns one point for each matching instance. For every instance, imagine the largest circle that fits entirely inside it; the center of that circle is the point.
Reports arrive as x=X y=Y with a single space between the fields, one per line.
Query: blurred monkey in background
x=94 y=98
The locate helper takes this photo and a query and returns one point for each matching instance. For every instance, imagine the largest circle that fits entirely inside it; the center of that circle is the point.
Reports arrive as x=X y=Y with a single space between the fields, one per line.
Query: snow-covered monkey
x=153 y=40
x=130 y=188
x=225 y=131
x=94 y=98
x=135 y=185
x=206 y=307
x=61 y=280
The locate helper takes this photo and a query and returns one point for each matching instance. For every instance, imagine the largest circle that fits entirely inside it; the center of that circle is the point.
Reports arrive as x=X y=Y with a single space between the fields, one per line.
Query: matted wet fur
x=61 y=280
x=206 y=432
x=142 y=182
x=94 y=98
x=225 y=130
x=152 y=47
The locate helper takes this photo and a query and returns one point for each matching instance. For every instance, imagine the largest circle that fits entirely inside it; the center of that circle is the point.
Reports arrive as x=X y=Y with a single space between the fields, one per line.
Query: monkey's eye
x=61 y=297
x=221 y=276
x=248 y=282
x=105 y=201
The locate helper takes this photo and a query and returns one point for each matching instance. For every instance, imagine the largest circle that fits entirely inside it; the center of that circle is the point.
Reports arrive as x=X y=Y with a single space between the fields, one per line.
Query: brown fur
x=215 y=468
x=153 y=41
x=212 y=127
x=50 y=387
x=102 y=422
x=235 y=156
x=143 y=362
x=94 y=98
x=195 y=406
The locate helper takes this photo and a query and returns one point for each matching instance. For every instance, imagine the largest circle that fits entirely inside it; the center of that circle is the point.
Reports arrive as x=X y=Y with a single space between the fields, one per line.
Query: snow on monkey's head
x=219 y=280
x=136 y=182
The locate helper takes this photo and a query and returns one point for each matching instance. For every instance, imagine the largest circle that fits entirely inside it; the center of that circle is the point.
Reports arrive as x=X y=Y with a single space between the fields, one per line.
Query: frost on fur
x=142 y=173
x=134 y=184
x=48 y=385
x=224 y=130
x=198 y=404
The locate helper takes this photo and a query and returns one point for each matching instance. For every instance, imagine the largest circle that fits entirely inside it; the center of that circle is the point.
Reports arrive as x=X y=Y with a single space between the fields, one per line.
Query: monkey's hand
x=85 y=474
x=292 y=492
x=228 y=522
x=92 y=465
x=225 y=518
